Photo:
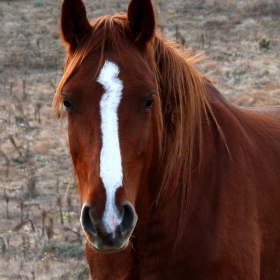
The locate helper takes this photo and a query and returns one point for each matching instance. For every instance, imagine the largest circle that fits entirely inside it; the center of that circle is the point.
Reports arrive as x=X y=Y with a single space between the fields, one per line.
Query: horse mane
x=182 y=107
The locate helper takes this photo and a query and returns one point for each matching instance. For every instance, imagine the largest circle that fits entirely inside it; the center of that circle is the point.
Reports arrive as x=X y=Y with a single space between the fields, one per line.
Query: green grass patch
x=64 y=250
x=6 y=232
x=66 y=215
x=41 y=161
x=40 y=3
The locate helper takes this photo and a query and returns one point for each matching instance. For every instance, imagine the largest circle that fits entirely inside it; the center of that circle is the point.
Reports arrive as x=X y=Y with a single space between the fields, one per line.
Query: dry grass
x=34 y=160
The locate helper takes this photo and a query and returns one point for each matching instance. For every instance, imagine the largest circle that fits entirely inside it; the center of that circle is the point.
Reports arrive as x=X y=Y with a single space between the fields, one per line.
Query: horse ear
x=141 y=18
x=74 y=23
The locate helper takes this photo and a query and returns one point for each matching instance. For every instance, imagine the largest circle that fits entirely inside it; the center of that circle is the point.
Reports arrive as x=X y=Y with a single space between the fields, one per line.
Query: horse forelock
x=105 y=31
x=183 y=103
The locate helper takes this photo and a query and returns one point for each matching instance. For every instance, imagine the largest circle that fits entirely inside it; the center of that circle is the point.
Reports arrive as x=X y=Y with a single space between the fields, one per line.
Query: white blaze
x=110 y=156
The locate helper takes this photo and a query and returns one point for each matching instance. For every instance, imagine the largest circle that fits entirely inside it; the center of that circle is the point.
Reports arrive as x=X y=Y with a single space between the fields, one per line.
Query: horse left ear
x=141 y=18
x=74 y=23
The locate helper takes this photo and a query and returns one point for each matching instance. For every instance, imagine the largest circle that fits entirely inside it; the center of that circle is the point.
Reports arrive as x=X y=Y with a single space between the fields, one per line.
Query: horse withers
x=175 y=181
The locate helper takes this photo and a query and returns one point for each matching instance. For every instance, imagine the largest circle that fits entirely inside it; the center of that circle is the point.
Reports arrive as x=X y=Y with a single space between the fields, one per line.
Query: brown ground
x=34 y=160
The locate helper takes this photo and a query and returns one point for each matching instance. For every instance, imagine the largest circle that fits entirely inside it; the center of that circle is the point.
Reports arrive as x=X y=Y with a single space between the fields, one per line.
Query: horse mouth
x=108 y=249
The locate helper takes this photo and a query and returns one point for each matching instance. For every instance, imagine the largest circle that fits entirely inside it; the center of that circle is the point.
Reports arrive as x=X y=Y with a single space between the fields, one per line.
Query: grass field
x=40 y=235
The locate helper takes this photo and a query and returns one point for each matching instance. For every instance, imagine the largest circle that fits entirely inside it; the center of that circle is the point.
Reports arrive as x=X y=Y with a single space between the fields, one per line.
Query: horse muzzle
x=98 y=236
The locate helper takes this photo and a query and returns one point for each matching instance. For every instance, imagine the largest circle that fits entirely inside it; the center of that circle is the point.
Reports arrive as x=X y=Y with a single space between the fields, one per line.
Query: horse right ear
x=141 y=18
x=74 y=23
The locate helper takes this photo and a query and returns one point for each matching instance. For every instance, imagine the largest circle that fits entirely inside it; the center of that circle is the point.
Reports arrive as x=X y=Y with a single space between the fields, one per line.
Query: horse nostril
x=128 y=220
x=86 y=221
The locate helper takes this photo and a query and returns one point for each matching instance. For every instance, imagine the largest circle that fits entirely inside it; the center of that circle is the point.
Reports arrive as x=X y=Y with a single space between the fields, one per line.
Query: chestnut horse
x=175 y=181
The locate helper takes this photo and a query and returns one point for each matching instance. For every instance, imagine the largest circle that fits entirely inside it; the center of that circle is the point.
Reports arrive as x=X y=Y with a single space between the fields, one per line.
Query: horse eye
x=67 y=104
x=149 y=102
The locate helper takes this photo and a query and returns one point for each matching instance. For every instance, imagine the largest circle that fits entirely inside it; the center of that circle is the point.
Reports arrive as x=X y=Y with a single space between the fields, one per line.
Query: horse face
x=109 y=117
x=110 y=136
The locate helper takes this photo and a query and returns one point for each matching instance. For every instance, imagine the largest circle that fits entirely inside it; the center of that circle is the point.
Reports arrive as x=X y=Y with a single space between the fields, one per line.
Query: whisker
x=132 y=246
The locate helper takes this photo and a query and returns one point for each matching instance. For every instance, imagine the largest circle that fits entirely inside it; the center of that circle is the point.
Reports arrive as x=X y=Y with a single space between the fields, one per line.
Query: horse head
x=109 y=92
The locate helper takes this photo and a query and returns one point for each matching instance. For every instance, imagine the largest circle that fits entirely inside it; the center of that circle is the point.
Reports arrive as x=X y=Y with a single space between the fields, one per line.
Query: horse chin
x=108 y=250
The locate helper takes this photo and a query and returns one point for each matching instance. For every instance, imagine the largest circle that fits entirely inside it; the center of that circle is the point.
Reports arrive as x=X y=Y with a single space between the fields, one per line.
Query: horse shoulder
x=238 y=194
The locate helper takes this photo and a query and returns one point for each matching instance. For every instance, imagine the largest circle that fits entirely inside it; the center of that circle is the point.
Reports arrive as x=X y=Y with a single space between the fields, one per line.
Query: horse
x=175 y=181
